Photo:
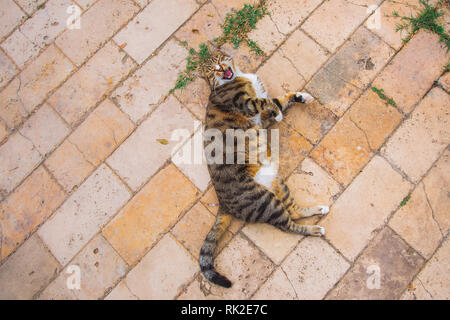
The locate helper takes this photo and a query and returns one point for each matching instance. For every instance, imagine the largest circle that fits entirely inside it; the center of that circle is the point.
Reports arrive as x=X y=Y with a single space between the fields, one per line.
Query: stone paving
x=86 y=188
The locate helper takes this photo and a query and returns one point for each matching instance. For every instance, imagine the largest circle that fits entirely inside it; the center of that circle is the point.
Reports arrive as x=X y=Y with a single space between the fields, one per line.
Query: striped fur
x=243 y=191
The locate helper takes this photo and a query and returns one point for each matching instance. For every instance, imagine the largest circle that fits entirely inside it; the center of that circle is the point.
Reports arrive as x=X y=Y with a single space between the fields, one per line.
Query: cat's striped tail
x=206 y=258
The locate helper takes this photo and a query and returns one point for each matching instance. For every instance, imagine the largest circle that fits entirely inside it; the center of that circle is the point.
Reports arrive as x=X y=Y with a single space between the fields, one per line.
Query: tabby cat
x=251 y=192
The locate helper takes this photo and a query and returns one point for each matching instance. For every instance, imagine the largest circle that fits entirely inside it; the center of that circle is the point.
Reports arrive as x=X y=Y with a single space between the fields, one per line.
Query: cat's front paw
x=303 y=97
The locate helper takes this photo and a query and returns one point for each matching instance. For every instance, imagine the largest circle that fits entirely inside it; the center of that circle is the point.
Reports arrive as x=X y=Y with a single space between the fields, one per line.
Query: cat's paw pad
x=303 y=97
x=324 y=209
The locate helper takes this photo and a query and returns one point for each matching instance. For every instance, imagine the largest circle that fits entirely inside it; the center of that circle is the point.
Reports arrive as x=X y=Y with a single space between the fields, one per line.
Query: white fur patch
x=308 y=98
x=257 y=84
x=257 y=120
x=279 y=117
x=266 y=174
x=324 y=209
x=322 y=230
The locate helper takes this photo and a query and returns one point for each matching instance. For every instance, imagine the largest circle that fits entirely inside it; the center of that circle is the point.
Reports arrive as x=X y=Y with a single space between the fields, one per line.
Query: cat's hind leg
x=285 y=101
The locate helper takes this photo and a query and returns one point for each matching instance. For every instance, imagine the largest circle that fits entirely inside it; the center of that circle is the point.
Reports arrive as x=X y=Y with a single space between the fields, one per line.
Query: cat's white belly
x=257 y=85
x=267 y=174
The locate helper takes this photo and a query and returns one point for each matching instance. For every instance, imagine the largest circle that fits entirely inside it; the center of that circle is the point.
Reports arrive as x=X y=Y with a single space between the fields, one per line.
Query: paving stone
x=334 y=21
x=141 y=92
x=311 y=186
x=313 y=268
x=166 y=268
x=30 y=5
x=228 y=6
x=436 y=186
x=133 y=161
x=242 y=264
x=287 y=15
x=419 y=141
x=279 y=76
x=151 y=27
x=103 y=19
x=83 y=214
x=68 y=165
x=414 y=222
x=31 y=86
x=275 y=243
x=10 y=17
x=364 y=207
x=102 y=132
x=45 y=129
x=26 y=208
x=396 y=262
x=3 y=133
x=312 y=120
x=332 y=92
x=411 y=73
x=20 y=48
x=432 y=282
x=26 y=272
x=384 y=23
x=195 y=97
x=360 y=58
x=201 y=27
x=100 y=267
x=90 y=83
x=18 y=157
x=150 y=214
x=305 y=54
x=7 y=70
x=266 y=35
x=210 y=201
x=121 y=292
x=243 y=57
x=86 y=4
x=445 y=81
x=277 y=287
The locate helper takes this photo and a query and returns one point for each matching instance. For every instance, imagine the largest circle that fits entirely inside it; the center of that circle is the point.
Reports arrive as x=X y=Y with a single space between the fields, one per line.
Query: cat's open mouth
x=228 y=74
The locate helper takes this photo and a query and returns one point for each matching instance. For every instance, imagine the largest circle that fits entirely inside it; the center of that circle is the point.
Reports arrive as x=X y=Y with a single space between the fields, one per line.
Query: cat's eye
x=218 y=67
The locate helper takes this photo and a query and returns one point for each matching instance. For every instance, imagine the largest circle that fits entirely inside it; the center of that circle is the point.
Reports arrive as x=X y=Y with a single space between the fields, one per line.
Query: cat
x=251 y=192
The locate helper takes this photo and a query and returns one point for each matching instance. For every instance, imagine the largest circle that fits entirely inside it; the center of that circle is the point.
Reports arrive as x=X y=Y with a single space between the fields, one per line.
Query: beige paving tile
x=275 y=243
x=31 y=86
x=415 y=224
x=68 y=165
x=311 y=186
x=10 y=16
x=313 y=268
x=436 y=185
x=384 y=23
x=305 y=54
x=413 y=63
x=166 y=268
x=100 y=267
x=7 y=70
x=30 y=5
x=99 y=23
x=86 y=4
x=18 y=157
x=102 y=132
x=420 y=139
x=203 y=26
x=432 y=282
x=280 y=76
x=26 y=272
x=133 y=161
x=192 y=229
x=43 y=27
x=266 y=35
x=388 y=257
x=243 y=57
x=90 y=83
x=277 y=287
x=83 y=214
x=150 y=214
x=210 y=201
x=332 y=92
x=240 y=262
x=195 y=97
x=3 y=132
x=25 y=209
x=364 y=207
x=334 y=21
x=20 y=48
x=288 y=14
x=312 y=120
x=45 y=129
x=142 y=91
x=445 y=81
x=121 y=292
x=150 y=28
x=360 y=58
